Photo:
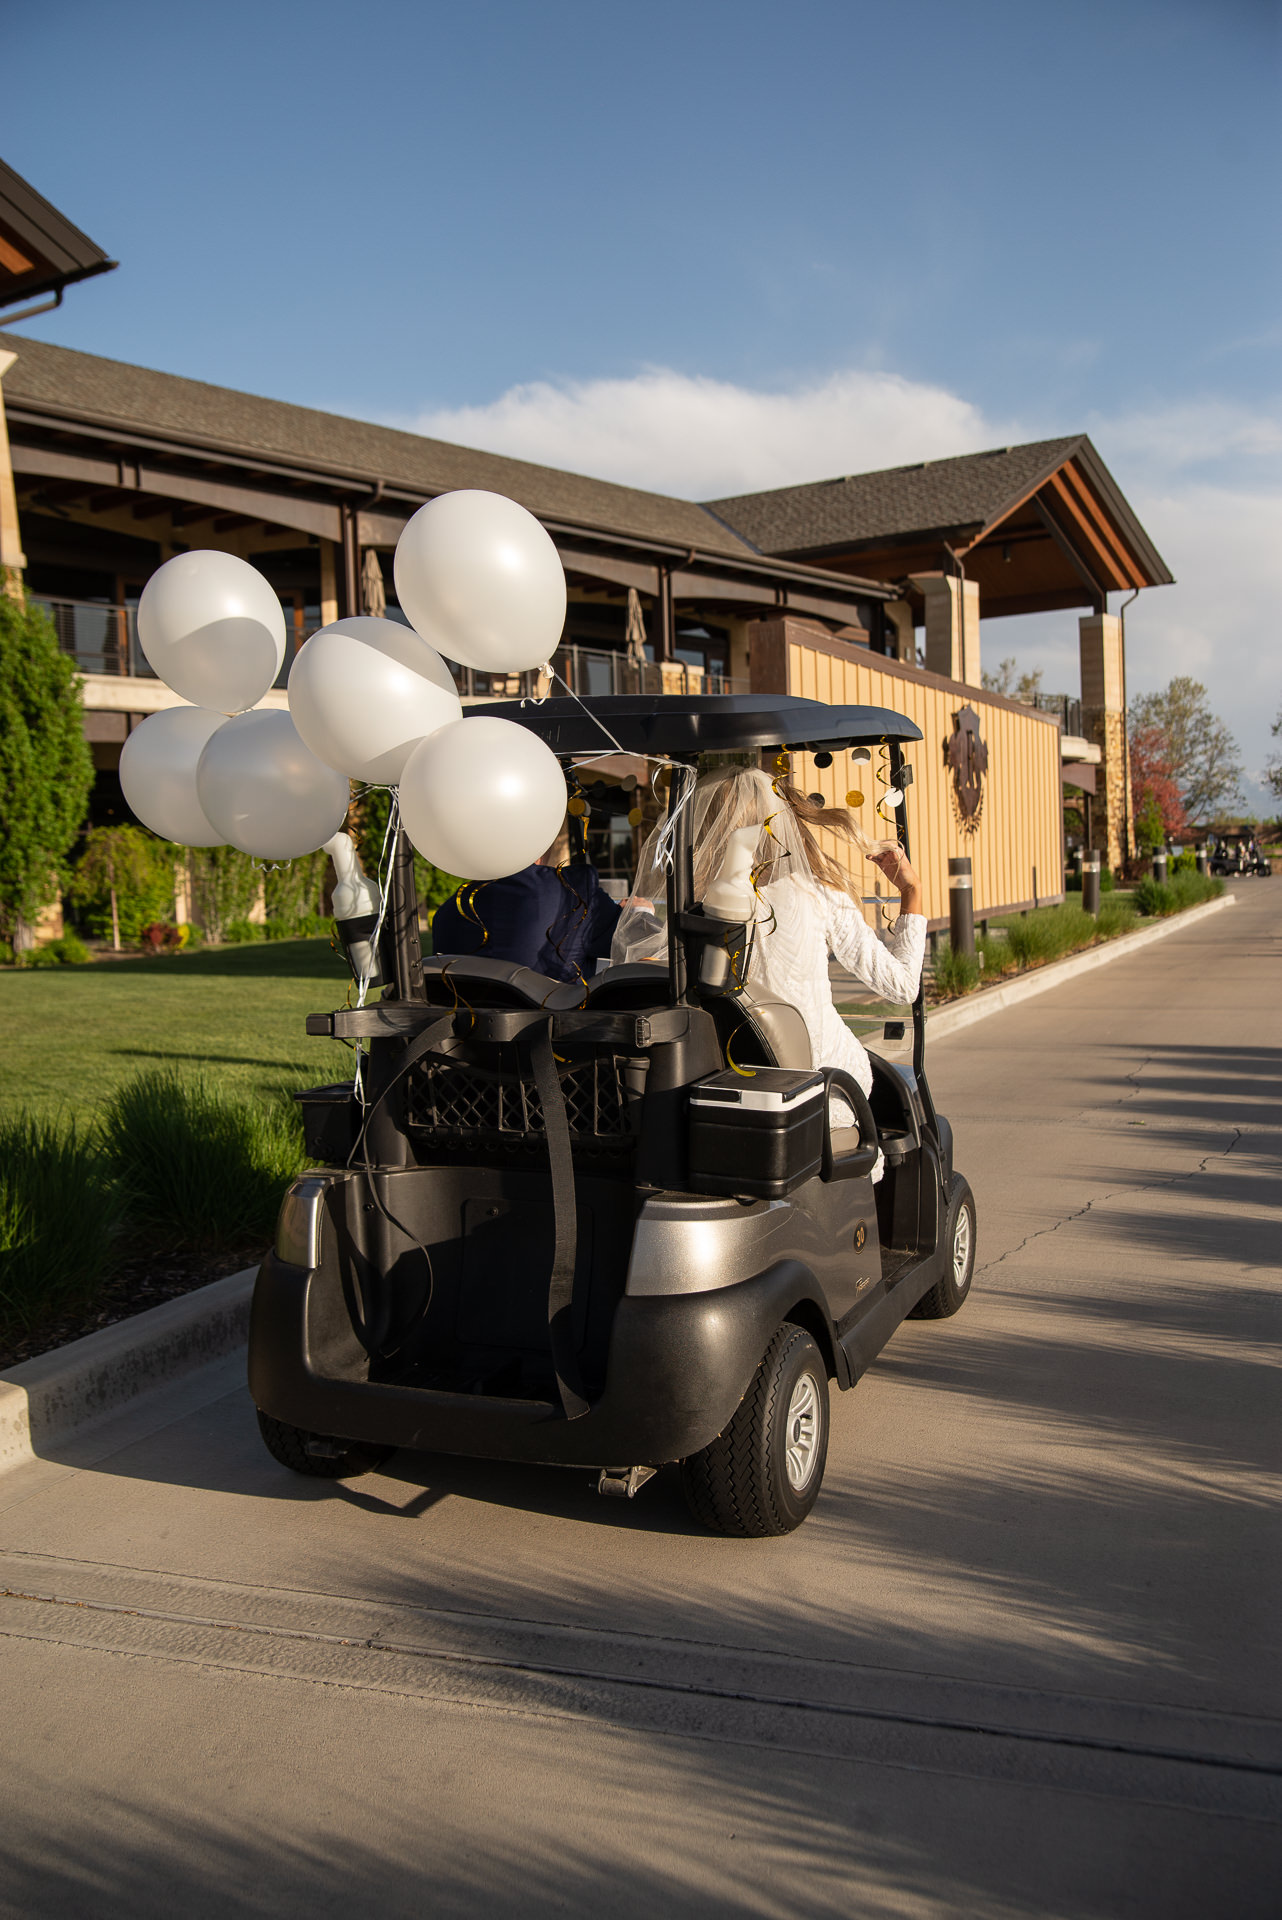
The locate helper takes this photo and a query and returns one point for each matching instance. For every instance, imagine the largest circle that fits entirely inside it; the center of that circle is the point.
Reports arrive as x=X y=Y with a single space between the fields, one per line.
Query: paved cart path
x=1021 y=1659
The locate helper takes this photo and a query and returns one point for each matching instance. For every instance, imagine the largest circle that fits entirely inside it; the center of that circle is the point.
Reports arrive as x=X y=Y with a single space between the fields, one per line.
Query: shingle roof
x=85 y=387
x=969 y=490
x=55 y=253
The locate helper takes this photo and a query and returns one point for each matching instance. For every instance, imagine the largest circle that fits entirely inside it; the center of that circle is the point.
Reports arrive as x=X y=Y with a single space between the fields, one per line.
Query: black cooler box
x=759 y=1134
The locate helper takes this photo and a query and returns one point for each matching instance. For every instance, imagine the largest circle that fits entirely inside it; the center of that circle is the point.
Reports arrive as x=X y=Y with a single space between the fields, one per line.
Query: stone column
x=952 y=626
x=328 y=585
x=899 y=620
x=1103 y=721
x=12 y=559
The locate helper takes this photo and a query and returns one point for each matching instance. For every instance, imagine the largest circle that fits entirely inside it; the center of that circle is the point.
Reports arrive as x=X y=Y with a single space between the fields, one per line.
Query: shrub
x=163 y=936
x=197 y=1164
x=70 y=951
x=241 y=933
x=46 y=767
x=1192 y=889
x=59 y=1212
x=1154 y=898
x=955 y=973
x=38 y=957
x=312 y=926
x=1158 y=898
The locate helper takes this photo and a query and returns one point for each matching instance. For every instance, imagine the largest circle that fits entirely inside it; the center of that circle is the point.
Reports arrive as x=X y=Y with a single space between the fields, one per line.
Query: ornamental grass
x=197 y=1165
x=59 y=1219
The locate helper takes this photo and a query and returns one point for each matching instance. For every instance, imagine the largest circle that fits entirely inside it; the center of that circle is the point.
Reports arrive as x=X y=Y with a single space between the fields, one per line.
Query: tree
x=1273 y=765
x=1159 y=810
x=1025 y=688
x=124 y=880
x=46 y=768
x=1202 y=753
x=224 y=887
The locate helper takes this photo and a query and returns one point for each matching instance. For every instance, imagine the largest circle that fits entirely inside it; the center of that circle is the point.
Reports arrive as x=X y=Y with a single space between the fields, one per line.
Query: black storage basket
x=756 y=1135
x=329 y=1123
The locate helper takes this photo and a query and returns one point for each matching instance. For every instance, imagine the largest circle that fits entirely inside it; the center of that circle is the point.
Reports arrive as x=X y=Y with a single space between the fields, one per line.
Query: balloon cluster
x=370 y=700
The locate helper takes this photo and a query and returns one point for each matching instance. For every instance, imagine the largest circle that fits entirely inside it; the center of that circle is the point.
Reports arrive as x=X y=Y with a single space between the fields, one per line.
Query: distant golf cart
x=1238 y=854
x=609 y=1227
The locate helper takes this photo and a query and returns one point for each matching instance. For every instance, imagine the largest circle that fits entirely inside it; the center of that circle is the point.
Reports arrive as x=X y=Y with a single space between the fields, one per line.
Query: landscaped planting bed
x=1034 y=939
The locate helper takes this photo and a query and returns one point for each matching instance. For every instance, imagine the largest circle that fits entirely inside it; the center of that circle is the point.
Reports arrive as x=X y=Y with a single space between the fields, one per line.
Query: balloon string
x=386 y=861
x=746 y=1073
x=465 y=900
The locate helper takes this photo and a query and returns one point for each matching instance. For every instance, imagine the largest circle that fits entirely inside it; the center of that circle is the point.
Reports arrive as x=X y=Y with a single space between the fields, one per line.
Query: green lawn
x=70 y=1034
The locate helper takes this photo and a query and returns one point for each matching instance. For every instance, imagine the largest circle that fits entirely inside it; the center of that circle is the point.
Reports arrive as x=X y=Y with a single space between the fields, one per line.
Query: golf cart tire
x=289 y=1445
x=957 y=1247
x=740 y=1482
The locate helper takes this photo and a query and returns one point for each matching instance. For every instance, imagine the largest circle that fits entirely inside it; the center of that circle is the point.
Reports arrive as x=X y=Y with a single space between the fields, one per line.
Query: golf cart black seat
x=777 y=1026
x=504 y=983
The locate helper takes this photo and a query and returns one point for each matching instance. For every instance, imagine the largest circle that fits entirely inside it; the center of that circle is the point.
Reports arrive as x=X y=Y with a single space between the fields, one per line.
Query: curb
x=957 y=1014
x=45 y=1400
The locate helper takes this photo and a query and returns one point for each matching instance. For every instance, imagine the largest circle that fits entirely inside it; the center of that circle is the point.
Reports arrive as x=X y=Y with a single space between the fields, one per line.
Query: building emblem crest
x=966 y=755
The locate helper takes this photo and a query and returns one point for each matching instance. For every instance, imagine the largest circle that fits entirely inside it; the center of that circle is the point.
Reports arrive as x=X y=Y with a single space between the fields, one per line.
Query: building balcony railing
x=103 y=639
x=590 y=671
x=1063 y=704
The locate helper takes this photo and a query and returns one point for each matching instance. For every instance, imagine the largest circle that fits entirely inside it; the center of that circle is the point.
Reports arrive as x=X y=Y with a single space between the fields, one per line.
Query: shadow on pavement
x=560 y=1820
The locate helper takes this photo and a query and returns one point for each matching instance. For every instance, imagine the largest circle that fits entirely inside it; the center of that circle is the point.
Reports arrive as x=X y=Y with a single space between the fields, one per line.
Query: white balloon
x=364 y=692
x=265 y=791
x=213 y=629
x=479 y=578
x=158 y=774
x=482 y=798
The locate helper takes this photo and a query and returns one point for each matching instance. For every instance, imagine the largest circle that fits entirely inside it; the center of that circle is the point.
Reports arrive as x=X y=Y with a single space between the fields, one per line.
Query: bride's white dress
x=790 y=962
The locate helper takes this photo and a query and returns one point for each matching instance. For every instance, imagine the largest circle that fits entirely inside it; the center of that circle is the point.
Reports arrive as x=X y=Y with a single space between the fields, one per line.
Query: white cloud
x=705 y=439
x=1202 y=474
x=1195 y=433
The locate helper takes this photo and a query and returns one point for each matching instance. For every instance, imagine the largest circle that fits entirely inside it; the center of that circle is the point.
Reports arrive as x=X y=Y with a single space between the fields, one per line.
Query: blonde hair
x=746 y=796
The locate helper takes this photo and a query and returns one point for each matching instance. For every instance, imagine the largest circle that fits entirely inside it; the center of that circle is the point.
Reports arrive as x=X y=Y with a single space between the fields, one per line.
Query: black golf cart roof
x=680 y=724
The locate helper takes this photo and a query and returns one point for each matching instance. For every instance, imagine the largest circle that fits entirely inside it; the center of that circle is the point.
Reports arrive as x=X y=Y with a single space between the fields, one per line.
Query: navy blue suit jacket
x=560 y=922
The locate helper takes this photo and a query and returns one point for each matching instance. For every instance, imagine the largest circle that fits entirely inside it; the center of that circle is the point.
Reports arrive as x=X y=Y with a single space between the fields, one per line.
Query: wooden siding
x=1020 y=829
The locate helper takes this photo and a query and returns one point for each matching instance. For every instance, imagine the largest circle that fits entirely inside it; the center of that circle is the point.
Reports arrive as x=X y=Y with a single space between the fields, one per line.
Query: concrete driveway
x=1022 y=1659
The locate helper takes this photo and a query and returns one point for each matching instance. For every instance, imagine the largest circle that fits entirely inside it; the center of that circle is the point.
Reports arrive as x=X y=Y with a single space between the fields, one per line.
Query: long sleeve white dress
x=790 y=962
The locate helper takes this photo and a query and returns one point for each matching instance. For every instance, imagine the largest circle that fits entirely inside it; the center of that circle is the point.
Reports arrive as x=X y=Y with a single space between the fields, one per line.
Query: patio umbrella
x=635 y=630
x=373 y=592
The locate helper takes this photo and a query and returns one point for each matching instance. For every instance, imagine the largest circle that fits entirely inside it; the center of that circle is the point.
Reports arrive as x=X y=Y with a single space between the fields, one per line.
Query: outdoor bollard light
x=1203 y=860
x=1159 y=864
x=961 y=907
x=1090 y=883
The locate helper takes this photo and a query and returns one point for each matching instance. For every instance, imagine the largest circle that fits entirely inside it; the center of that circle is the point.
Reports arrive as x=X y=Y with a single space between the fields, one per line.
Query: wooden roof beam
x=1075 y=483
x=1074 y=523
x=1094 y=584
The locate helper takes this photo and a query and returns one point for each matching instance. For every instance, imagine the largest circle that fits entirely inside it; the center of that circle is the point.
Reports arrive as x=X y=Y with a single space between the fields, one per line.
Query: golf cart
x=1238 y=853
x=609 y=1225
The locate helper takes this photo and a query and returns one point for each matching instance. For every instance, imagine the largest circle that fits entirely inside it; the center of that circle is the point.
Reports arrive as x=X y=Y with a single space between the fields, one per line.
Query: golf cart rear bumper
x=678 y=1367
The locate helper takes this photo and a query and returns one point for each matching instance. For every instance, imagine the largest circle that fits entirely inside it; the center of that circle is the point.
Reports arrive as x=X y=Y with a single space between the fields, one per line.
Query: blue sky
x=713 y=246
